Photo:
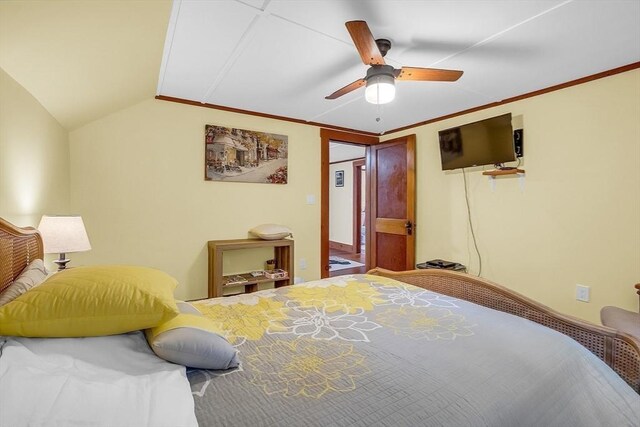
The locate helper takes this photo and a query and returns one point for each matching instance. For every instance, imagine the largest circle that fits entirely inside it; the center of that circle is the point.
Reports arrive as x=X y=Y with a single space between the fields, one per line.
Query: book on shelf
x=234 y=280
x=276 y=274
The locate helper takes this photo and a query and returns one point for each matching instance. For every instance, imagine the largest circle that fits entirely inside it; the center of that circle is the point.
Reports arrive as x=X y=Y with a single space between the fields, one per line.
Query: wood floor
x=352 y=257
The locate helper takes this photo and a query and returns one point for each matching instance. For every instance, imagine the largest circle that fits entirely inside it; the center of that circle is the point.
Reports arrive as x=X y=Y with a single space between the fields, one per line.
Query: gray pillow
x=34 y=274
x=195 y=348
x=192 y=340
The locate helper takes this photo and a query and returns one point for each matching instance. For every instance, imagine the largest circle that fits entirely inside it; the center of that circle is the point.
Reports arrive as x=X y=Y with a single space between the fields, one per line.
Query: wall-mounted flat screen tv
x=486 y=142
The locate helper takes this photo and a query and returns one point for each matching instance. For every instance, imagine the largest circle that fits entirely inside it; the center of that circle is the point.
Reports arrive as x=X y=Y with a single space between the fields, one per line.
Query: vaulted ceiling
x=85 y=59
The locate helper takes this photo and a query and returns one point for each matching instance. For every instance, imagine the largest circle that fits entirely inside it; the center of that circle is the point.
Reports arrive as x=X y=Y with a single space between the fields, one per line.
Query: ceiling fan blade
x=348 y=88
x=365 y=43
x=428 y=74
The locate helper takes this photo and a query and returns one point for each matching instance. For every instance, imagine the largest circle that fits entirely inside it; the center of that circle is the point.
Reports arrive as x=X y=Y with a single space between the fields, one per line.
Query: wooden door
x=392 y=195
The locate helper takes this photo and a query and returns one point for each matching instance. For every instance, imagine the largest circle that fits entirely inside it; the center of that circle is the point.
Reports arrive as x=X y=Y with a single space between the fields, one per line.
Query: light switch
x=582 y=293
x=311 y=199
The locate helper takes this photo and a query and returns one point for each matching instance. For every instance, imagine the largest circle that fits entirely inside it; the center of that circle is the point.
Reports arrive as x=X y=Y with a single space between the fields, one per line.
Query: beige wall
x=137 y=179
x=34 y=157
x=577 y=219
x=341 y=204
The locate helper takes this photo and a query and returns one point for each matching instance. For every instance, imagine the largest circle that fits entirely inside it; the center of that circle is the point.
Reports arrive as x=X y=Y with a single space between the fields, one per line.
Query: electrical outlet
x=582 y=293
x=303 y=264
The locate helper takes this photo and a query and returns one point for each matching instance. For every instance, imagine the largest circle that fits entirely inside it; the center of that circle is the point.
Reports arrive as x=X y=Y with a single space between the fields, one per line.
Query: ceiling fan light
x=380 y=89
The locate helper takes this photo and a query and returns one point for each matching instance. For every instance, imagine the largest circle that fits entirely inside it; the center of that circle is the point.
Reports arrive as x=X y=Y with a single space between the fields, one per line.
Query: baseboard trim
x=341 y=246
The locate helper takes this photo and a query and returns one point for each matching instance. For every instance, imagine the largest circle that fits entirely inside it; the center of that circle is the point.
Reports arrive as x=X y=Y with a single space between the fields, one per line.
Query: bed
x=409 y=348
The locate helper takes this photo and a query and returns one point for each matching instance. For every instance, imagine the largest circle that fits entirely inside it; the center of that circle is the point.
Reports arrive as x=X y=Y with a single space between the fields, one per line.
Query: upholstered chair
x=622 y=320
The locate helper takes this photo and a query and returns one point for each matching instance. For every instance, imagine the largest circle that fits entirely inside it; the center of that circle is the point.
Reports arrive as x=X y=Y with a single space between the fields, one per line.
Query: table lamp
x=63 y=234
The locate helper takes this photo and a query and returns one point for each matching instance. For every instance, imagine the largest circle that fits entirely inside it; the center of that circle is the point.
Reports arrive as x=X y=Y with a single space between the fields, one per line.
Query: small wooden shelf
x=218 y=282
x=500 y=172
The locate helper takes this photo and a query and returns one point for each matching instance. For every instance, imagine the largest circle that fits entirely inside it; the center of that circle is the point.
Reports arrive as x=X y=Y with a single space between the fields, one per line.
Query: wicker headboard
x=18 y=247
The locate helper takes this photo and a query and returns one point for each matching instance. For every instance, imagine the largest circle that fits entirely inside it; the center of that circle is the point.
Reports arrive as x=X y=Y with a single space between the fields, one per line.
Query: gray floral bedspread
x=370 y=351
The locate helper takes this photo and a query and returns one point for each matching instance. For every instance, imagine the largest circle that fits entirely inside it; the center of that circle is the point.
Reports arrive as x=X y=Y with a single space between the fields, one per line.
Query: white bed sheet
x=113 y=381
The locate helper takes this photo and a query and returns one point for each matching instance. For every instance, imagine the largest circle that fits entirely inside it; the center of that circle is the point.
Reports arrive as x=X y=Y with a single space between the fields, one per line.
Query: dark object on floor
x=442 y=264
x=335 y=261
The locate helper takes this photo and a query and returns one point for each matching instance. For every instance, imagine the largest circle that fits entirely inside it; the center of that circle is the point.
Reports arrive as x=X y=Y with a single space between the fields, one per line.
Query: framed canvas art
x=241 y=155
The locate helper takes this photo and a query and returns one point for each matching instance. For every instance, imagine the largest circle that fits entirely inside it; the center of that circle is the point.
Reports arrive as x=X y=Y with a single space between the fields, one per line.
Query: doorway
x=347 y=208
x=328 y=180
x=390 y=195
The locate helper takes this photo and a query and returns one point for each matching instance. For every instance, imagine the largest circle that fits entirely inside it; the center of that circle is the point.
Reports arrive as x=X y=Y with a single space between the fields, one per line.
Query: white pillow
x=186 y=308
x=31 y=276
x=271 y=231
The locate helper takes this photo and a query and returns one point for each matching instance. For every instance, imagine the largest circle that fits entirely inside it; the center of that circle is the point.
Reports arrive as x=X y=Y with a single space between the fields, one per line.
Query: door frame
x=327 y=135
x=357 y=203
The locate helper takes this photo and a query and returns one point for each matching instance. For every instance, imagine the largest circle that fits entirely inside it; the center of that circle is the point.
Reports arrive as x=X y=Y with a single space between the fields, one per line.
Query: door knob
x=409 y=227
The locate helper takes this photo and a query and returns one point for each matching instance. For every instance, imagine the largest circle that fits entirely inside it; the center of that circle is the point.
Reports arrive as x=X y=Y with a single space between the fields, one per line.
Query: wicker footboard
x=618 y=350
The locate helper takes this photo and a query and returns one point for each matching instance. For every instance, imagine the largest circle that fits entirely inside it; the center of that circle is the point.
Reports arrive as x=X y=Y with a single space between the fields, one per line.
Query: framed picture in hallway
x=339 y=178
x=241 y=155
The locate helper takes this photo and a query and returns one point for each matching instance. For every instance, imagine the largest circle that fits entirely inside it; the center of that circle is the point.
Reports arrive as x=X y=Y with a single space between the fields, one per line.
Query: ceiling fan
x=380 y=78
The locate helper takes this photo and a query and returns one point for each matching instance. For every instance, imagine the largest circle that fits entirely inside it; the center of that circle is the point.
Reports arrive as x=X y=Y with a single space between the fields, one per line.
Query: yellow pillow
x=92 y=301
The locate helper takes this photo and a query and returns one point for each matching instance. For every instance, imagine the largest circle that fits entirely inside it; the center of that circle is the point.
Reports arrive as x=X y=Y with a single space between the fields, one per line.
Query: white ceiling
x=283 y=57
x=85 y=59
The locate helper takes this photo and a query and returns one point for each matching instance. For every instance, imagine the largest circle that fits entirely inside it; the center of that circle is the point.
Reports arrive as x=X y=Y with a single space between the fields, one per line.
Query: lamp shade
x=63 y=234
x=380 y=89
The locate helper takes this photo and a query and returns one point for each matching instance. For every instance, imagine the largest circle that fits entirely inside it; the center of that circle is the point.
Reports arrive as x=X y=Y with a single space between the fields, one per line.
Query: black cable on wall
x=473 y=234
